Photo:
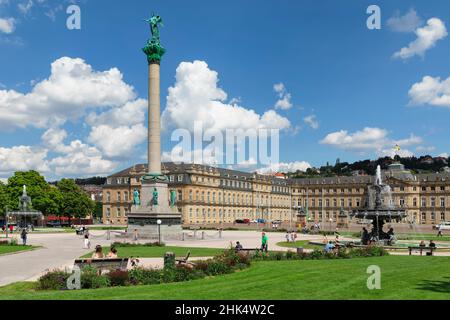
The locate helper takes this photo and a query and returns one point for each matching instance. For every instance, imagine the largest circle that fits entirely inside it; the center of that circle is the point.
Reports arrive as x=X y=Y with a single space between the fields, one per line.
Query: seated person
x=422 y=244
x=98 y=253
x=112 y=253
x=238 y=246
x=432 y=244
x=329 y=247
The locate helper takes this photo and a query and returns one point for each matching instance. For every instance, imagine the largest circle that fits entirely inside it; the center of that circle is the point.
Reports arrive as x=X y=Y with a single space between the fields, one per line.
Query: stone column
x=154 y=119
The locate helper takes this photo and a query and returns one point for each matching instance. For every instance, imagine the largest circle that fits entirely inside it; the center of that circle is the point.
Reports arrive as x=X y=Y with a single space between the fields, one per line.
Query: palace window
x=125 y=196
x=423 y=216
x=180 y=178
x=108 y=212
x=402 y=202
x=433 y=202
x=108 y=197
x=415 y=202
x=423 y=202
x=180 y=195
x=119 y=212
x=119 y=197
x=433 y=216
x=190 y=195
x=442 y=216
x=442 y=202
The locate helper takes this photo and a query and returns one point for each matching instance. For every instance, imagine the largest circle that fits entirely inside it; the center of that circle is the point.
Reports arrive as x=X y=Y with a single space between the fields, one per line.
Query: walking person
x=440 y=232
x=23 y=235
x=287 y=237
x=135 y=235
x=264 y=243
x=87 y=241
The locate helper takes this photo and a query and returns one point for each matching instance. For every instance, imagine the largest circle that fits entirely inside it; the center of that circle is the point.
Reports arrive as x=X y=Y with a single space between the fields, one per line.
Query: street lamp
x=159 y=222
x=331 y=221
x=6 y=221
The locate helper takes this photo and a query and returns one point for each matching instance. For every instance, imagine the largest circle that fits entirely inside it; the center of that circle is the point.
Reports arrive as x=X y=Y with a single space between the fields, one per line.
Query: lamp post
x=331 y=221
x=6 y=221
x=159 y=222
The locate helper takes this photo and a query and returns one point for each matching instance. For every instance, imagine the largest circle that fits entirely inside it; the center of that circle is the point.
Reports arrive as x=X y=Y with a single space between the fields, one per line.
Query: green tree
x=75 y=202
x=44 y=197
x=3 y=199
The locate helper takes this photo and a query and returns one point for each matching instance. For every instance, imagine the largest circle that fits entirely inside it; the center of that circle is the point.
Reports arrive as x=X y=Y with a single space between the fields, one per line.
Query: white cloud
x=7 y=25
x=444 y=155
x=427 y=37
x=72 y=88
x=25 y=7
x=406 y=23
x=286 y=167
x=312 y=122
x=369 y=140
x=133 y=112
x=284 y=102
x=118 y=142
x=431 y=91
x=53 y=139
x=196 y=97
x=81 y=159
x=404 y=153
x=22 y=158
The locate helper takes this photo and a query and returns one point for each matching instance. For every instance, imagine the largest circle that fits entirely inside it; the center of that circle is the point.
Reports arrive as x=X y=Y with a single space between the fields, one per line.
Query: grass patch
x=158 y=252
x=15 y=249
x=417 y=278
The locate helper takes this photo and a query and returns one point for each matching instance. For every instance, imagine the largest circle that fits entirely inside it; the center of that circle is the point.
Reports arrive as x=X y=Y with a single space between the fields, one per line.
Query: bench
x=184 y=260
x=421 y=250
x=103 y=264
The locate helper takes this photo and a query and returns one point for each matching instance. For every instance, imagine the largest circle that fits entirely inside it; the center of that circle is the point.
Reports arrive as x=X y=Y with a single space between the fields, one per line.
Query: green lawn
x=304 y=244
x=14 y=249
x=402 y=277
x=158 y=252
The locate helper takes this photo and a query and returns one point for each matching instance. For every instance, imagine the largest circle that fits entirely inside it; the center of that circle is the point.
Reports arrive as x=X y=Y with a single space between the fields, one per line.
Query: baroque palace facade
x=209 y=195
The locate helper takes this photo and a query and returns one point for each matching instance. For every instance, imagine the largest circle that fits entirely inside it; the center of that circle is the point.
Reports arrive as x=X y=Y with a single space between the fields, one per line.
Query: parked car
x=261 y=221
x=442 y=226
x=239 y=221
x=247 y=221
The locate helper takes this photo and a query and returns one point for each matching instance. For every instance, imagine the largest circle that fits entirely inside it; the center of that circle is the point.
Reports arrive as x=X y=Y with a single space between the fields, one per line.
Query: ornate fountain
x=379 y=208
x=26 y=214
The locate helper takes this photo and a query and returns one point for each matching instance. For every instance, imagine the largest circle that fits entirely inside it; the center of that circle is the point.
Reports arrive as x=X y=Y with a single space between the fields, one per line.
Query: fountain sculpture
x=25 y=215
x=379 y=208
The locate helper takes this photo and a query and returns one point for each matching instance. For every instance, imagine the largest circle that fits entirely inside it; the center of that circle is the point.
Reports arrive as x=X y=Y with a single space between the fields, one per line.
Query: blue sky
x=347 y=95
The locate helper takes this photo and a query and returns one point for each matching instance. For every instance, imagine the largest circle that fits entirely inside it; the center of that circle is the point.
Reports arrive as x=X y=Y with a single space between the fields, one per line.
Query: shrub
x=142 y=276
x=91 y=279
x=127 y=244
x=316 y=254
x=290 y=255
x=53 y=280
x=119 y=278
x=217 y=267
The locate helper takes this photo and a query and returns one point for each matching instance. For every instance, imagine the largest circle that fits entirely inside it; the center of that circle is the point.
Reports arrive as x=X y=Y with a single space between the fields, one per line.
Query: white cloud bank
x=284 y=102
x=427 y=37
x=370 y=140
x=431 y=91
x=406 y=23
x=312 y=122
x=196 y=97
x=286 y=167
x=7 y=25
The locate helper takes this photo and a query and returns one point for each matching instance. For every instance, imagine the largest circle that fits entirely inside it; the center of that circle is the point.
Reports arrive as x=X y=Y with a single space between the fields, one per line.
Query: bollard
x=183 y=236
x=300 y=251
x=169 y=260
x=108 y=235
x=203 y=235
x=220 y=234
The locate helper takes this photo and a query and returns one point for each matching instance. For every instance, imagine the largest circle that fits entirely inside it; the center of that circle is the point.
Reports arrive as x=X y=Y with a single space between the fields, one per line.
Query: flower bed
x=227 y=262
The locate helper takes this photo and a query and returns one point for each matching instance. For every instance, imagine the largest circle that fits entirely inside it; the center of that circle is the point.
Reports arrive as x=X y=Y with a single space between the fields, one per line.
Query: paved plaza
x=60 y=251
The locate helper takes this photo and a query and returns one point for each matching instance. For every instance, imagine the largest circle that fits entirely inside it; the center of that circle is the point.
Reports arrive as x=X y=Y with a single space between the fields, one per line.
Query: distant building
x=208 y=195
